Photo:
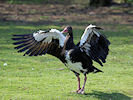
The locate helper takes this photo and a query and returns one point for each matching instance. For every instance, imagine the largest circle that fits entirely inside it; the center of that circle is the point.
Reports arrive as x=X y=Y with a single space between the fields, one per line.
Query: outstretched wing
x=94 y=44
x=40 y=43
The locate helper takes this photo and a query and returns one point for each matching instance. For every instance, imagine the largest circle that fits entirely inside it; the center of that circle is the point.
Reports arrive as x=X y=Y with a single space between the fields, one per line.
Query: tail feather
x=96 y=70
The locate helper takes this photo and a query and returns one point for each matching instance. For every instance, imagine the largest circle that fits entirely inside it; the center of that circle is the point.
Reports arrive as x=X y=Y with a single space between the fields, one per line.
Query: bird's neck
x=70 y=34
x=68 y=44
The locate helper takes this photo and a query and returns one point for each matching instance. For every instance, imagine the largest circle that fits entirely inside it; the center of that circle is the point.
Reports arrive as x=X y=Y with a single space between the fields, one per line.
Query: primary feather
x=40 y=43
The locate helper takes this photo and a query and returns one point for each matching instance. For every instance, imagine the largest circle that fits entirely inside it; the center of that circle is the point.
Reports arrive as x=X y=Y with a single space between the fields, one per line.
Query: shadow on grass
x=108 y=96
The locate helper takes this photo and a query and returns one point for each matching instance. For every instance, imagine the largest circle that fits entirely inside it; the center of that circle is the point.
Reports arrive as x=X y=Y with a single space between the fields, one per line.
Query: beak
x=65 y=30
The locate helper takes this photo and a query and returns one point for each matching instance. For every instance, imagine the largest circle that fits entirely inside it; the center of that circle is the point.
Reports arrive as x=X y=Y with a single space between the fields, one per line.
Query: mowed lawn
x=46 y=78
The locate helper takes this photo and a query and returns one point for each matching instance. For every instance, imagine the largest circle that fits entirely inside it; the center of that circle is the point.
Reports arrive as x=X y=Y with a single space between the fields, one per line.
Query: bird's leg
x=82 y=90
x=78 y=83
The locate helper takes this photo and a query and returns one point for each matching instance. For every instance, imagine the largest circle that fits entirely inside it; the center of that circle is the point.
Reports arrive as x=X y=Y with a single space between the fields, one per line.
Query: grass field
x=46 y=78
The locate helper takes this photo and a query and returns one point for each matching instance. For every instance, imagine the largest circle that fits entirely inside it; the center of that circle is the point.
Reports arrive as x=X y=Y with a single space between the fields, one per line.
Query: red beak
x=65 y=30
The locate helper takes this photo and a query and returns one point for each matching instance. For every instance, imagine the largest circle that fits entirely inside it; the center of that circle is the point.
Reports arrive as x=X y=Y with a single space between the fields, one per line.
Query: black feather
x=21 y=50
x=31 y=48
x=26 y=40
x=18 y=38
x=25 y=44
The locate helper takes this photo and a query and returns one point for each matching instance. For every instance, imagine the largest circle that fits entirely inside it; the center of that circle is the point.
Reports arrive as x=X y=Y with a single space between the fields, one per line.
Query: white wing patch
x=85 y=36
x=77 y=67
x=89 y=30
x=38 y=35
x=47 y=37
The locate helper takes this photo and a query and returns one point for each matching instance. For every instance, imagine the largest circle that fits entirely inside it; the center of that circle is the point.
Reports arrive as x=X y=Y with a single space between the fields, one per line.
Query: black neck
x=71 y=34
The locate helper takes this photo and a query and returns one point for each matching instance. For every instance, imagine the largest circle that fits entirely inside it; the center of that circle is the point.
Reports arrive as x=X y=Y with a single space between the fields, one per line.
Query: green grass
x=47 y=82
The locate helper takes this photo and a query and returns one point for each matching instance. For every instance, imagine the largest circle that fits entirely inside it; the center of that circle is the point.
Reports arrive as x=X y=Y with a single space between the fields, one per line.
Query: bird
x=93 y=46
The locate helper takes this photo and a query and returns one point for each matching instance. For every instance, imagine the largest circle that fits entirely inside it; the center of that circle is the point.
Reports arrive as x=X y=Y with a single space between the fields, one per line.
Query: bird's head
x=67 y=29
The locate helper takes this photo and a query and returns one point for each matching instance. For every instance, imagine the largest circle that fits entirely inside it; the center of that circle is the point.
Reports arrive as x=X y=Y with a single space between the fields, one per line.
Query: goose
x=79 y=58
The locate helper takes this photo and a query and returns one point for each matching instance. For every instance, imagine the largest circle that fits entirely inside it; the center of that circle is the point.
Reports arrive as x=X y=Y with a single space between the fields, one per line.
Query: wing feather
x=95 y=44
x=40 y=43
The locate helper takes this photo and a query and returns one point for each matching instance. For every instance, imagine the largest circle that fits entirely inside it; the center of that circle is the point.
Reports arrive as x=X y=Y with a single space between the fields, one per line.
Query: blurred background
x=59 y=12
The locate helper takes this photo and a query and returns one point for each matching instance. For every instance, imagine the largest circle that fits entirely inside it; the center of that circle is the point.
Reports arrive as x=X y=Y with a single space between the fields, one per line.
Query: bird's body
x=78 y=58
x=76 y=61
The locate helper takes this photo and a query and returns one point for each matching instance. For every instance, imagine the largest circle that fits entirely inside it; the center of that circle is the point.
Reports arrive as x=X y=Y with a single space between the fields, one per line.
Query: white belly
x=77 y=67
